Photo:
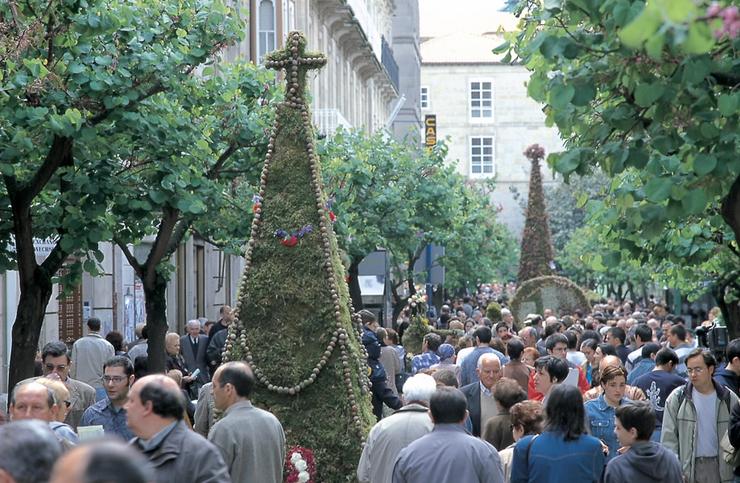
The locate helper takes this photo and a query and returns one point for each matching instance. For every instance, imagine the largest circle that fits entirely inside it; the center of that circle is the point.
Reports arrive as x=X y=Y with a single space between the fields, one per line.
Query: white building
x=480 y=103
x=359 y=88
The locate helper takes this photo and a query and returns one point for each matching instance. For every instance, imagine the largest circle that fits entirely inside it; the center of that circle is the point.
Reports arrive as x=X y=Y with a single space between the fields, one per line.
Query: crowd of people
x=622 y=394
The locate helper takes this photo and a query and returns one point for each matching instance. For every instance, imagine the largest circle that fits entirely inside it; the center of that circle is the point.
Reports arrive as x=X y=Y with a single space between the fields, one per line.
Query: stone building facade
x=480 y=103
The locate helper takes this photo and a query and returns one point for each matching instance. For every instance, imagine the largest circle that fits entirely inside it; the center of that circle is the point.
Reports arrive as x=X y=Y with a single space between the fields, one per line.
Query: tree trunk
x=155 y=301
x=354 y=285
x=27 y=327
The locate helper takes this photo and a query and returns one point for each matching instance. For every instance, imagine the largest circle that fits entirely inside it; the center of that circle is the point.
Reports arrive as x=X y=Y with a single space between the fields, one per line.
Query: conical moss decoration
x=536 y=254
x=294 y=316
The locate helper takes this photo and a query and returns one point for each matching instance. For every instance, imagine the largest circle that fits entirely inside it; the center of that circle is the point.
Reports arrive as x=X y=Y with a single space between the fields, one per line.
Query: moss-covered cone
x=294 y=322
x=536 y=254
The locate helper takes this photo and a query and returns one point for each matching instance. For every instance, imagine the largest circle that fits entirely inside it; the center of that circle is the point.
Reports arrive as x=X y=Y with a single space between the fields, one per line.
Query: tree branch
x=59 y=153
x=130 y=257
x=216 y=168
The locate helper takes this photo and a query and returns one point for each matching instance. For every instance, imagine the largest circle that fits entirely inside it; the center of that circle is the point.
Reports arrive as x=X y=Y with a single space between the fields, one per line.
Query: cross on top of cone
x=296 y=62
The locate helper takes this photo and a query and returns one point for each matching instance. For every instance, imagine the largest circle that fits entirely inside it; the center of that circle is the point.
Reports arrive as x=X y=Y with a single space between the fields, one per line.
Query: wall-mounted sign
x=430 y=130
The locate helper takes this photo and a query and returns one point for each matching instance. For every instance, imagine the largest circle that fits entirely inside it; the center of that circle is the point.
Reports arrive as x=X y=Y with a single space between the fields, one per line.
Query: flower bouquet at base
x=299 y=465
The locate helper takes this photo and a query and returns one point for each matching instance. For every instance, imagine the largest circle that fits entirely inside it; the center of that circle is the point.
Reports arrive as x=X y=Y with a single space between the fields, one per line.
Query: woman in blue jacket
x=602 y=410
x=563 y=453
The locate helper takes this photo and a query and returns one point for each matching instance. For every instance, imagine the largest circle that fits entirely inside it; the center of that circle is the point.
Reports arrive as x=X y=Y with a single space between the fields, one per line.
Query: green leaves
x=647 y=94
x=658 y=189
x=642 y=27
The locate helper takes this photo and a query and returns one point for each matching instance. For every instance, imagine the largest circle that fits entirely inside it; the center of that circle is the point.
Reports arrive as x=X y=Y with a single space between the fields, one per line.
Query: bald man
x=155 y=409
x=631 y=392
x=109 y=461
x=479 y=394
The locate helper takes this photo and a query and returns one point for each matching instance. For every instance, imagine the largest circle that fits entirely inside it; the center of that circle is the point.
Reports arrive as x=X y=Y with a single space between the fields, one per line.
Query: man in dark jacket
x=729 y=376
x=155 y=410
x=381 y=392
x=644 y=461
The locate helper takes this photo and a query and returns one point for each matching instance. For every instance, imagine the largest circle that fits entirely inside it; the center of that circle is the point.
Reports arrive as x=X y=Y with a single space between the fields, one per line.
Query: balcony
x=389 y=62
x=327 y=121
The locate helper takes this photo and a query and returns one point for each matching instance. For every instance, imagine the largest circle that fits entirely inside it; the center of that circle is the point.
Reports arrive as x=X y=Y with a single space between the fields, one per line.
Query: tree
x=71 y=71
x=191 y=154
x=536 y=257
x=648 y=93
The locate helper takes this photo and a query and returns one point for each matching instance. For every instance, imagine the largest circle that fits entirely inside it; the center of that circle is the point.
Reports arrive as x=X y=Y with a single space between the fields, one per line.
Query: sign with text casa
x=430 y=130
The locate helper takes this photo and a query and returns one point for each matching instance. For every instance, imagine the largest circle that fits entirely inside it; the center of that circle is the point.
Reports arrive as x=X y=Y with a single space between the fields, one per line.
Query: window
x=481 y=156
x=481 y=100
x=266 y=36
x=424 y=97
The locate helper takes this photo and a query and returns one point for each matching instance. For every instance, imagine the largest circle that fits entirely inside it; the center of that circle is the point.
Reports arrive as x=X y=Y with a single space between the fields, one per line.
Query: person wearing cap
x=446 y=355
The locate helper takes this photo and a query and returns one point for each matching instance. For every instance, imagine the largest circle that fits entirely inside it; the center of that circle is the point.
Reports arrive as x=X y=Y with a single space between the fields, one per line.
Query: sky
x=442 y=17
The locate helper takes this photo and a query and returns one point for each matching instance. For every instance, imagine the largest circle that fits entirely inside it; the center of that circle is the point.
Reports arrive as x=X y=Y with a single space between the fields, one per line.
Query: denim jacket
x=601 y=422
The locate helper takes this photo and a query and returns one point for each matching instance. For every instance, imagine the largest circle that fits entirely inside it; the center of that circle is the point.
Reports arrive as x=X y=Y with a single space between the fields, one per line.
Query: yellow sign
x=430 y=130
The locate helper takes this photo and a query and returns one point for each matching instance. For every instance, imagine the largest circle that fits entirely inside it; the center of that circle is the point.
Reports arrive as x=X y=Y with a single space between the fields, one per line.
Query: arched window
x=266 y=36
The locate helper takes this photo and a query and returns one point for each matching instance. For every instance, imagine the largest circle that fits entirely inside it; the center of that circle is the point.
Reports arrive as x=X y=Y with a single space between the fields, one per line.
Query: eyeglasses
x=114 y=379
x=68 y=403
x=51 y=367
x=695 y=370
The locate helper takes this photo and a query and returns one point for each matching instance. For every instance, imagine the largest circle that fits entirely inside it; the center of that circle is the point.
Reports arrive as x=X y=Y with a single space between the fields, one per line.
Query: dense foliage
x=648 y=93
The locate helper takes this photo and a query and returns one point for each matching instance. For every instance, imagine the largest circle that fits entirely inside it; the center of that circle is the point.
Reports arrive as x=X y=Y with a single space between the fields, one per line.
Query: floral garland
x=328 y=205
x=290 y=239
x=299 y=465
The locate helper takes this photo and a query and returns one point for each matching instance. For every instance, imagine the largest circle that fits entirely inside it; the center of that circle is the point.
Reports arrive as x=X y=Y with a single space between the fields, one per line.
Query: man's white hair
x=419 y=388
x=193 y=323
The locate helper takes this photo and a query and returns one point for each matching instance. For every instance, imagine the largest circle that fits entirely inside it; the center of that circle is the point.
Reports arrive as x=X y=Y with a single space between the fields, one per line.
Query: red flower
x=332 y=216
x=290 y=242
x=255 y=207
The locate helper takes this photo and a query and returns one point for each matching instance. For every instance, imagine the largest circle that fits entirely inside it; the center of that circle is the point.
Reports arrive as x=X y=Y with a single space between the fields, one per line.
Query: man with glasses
x=118 y=375
x=696 y=417
x=55 y=363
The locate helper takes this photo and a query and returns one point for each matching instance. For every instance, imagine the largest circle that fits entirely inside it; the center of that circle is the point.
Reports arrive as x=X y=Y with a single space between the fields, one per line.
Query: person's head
x=526 y=418
x=446 y=353
x=572 y=337
x=432 y=342
x=381 y=334
x=443 y=377
x=153 y=402
x=138 y=330
x=615 y=336
x=193 y=328
x=489 y=370
x=549 y=371
x=419 y=388
x=232 y=382
x=118 y=375
x=392 y=338
x=588 y=347
x=528 y=336
x=93 y=323
x=649 y=350
x=564 y=412
x=557 y=345
x=55 y=359
x=643 y=334
x=469 y=324
x=207 y=326
x=227 y=315
x=634 y=422
x=448 y=406
x=732 y=353
x=700 y=366
x=482 y=335
x=369 y=319
x=514 y=349
x=145 y=332
x=603 y=350
x=61 y=396
x=28 y=450
x=507 y=317
x=613 y=382
x=530 y=355
x=677 y=335
x=172 y=343
x=502 y=331
x=105 y=461
x=666 y=359
x=609 y=361
x=116 y=340
x=508 y=392
x=32 y=400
